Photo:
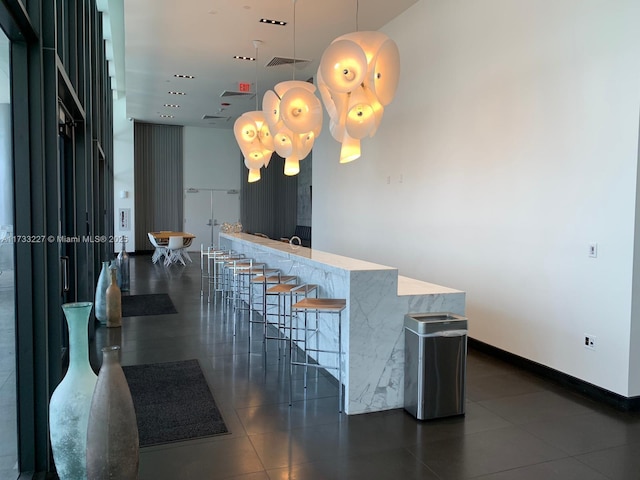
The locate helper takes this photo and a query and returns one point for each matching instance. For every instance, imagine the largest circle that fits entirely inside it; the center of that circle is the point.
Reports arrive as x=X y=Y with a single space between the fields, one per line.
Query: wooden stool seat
x=305 y=289
x=281 y=288
x=274 y=278
x=321 y=304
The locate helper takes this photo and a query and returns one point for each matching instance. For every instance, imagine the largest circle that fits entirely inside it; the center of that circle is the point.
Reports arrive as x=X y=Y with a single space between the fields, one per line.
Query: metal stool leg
x=280 y=290
x=317 y=306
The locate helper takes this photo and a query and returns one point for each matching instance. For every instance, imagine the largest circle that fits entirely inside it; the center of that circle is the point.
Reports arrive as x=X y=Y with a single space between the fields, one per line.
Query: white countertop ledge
x=411 y=286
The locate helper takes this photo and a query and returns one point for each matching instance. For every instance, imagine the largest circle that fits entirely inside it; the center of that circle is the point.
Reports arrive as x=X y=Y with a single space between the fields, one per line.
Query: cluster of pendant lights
x=357 y=77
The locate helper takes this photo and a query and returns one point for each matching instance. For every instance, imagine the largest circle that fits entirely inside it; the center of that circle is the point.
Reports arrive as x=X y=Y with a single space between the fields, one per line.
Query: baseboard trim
x=575 y=384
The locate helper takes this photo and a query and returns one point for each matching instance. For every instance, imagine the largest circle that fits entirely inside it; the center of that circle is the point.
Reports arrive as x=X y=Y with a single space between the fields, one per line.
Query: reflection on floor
x=8 y=411
x=517 y=426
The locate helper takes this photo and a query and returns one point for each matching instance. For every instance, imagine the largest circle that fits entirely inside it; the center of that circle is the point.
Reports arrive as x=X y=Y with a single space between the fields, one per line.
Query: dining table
x=162 y=237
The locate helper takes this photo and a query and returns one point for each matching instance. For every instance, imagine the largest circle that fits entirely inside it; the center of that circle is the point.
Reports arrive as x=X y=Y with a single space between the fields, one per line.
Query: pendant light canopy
x=358 y=76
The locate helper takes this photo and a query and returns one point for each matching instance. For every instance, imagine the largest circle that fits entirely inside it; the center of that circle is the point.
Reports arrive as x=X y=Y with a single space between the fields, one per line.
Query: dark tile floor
x=517 y=426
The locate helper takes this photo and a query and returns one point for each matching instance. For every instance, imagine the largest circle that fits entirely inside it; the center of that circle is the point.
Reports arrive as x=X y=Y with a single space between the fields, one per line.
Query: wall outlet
x=593 y=250
x=589 y=341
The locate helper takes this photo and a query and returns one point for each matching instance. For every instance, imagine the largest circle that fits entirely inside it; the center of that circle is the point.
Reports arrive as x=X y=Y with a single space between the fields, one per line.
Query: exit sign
x=245 y=87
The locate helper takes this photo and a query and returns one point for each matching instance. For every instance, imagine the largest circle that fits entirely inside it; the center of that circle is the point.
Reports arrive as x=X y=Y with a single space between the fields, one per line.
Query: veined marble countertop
x=377 y=300
x=329 y=259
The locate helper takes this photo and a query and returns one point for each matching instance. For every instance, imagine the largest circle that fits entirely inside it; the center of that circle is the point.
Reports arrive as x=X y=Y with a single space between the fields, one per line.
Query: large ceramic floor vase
x=101 y=293
x=112 y=436
x=71 y=400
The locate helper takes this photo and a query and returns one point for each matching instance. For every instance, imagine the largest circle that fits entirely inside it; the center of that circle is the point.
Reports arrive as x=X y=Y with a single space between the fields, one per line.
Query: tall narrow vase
x=114 y=301
x=71 y=400
x=101 y=293
x=112 y=437
x=123 y=266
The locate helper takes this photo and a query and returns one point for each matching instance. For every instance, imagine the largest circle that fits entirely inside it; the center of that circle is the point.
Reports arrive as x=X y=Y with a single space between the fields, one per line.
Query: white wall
x=634 y=341
x=212 y=161
x=512 y=144
x=123 y=172
x=211 y=158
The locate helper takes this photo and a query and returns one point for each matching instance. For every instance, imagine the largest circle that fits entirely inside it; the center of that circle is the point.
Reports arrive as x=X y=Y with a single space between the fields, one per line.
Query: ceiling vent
x=277 y=61
x=231 y=93
x=215 y=117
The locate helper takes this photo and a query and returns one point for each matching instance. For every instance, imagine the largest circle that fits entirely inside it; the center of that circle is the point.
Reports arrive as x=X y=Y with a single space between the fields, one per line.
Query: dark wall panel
x=159 y=194
x=270 y=205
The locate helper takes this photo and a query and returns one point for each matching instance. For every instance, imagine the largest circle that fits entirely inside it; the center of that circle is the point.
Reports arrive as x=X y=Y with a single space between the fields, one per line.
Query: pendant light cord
x=294 y=39
x=357 y=15
x=256 y=93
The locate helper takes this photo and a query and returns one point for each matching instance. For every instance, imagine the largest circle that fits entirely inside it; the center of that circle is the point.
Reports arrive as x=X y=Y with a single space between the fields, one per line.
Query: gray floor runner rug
x=150 y=304
x=173 y=402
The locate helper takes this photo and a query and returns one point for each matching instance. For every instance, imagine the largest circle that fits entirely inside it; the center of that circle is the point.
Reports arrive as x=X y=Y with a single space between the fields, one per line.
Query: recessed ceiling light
x=177 y=93
x=180 y=75
x=273 y=22
x=172 y=105
x=166 y=116
x=240 y=57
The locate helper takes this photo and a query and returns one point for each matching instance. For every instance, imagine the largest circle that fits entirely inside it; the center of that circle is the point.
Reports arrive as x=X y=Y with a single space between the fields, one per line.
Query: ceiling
x=163 y=38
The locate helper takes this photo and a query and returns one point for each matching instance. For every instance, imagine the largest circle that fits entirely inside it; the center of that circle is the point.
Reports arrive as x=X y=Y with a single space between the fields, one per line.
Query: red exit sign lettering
x=245 y=87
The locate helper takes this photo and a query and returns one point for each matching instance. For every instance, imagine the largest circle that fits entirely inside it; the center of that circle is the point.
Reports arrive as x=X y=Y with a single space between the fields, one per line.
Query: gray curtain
x=159 y=192
x=270 y=205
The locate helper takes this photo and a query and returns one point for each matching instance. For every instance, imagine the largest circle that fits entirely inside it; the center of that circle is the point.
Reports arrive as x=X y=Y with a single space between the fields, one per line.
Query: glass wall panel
x=8 y=402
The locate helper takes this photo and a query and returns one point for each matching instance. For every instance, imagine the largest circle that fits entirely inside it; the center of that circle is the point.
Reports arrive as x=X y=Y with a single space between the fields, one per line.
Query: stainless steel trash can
x=435 y=349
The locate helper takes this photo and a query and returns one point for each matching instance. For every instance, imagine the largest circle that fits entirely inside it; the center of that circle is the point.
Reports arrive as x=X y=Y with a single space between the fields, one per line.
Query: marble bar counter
x=372 y=323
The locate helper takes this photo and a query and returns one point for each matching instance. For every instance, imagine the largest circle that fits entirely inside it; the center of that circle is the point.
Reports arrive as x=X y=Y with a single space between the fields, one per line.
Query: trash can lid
x=423 y=323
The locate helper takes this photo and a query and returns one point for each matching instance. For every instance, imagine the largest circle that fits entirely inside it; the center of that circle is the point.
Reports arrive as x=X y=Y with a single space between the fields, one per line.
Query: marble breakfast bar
x=372 y=323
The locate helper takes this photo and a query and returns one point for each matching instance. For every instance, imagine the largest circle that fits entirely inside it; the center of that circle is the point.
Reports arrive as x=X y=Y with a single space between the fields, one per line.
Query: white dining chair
x=175 y=249
x=160 y=251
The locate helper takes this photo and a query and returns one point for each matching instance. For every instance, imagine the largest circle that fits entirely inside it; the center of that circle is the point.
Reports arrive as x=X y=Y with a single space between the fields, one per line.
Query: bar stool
x=230 y=269
x=216 y=261
x=280 y=290
x=206 y=254
x=318 y=306
x=261 y=275
x=203 y=254
x=269 y=277
x=263 y=282
x=298 y=293
x=233 y=289
x=240 y=273
x=242 y=281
